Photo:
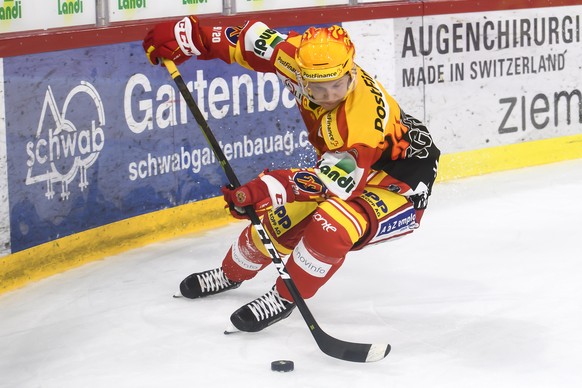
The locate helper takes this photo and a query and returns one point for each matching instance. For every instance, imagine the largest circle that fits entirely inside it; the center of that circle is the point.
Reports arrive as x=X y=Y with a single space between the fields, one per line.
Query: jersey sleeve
x=380 y=137
x=251 y=45
x=304 y=183
x=411 y=159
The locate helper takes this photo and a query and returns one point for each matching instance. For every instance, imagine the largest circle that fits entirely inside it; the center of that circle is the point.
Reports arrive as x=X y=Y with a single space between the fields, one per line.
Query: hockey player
x=375 y=170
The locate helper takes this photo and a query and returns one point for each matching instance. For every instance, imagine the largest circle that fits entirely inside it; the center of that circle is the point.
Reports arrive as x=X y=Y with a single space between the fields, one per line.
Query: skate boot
x=201 y=284
x=262 y=312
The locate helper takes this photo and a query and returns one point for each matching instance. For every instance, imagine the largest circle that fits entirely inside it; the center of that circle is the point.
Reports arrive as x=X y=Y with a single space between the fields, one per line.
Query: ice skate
x=201 y=284
x=262 y=312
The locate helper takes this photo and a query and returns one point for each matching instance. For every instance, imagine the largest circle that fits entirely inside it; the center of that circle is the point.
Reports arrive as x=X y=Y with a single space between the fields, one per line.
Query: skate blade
x=178 y=295
x=230 y=329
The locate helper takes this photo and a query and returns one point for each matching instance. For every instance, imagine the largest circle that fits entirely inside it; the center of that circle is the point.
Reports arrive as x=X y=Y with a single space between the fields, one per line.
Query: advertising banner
x=20 y=15
x=124 y=10
x=262 y=5
x=96 y=135
x=4 y=212
x=483 y=79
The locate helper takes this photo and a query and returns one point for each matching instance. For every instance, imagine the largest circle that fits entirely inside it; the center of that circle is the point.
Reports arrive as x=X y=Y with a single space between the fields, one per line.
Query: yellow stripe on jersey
x=236 y=55
x=347 y=216
x=259 y=244
x=369 y=125
x=286 y=65
x=375 y=178
x=330 y=131
x=282 y=220
x=382 y=201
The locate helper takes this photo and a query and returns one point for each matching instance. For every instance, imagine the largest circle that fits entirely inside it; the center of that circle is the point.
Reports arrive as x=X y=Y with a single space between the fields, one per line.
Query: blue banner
x=97 y=135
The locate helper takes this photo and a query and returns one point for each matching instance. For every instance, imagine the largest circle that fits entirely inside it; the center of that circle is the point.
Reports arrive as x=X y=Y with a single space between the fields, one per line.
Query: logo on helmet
x=325 y=54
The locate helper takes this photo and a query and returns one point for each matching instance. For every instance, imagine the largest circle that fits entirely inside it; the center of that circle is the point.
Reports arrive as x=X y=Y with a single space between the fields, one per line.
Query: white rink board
x=510 y=86
x=23 y=15
x=147 y=9
x=4 y=211
x=263 y=5
x=458 y=309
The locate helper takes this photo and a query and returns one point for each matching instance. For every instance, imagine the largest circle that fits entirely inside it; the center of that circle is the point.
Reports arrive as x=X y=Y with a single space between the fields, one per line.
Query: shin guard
x=329 y=236
x=244 y=259
x=307 y=271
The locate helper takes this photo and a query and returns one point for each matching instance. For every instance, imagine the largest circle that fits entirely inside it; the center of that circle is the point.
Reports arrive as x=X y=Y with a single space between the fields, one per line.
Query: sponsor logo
x=325 y=224
x=322 y=75
x=233 y=33
x=308 y=182
x=272 y=251
x=282 y=270
x=309 y=263
x=131 y=4
x=61 y=150
x=377 y=204
x=241 y=197
x=11 y=10
x=380 y=102
x=280 y=220
x=184 y=32
x=267 y=40
x=287 y=65
x=239 y=258
x=347 y=183
x=331 y=133
x=398 y=223
x=70 y=7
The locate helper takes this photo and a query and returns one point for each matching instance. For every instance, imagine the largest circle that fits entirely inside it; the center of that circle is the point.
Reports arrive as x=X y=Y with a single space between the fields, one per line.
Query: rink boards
x=100 y=154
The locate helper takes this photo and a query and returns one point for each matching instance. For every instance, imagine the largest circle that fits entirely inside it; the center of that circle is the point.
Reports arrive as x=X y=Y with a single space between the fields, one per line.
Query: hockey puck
x=282 y=366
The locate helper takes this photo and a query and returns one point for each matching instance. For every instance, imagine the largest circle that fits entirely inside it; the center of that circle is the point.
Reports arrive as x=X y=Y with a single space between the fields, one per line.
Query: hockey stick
x=348 y=351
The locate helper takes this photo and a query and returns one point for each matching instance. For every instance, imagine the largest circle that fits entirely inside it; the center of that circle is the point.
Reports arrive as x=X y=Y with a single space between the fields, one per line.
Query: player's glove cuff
x=187 y=33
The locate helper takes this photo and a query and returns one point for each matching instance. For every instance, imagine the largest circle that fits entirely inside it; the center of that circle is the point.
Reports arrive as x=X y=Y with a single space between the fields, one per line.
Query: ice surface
x=488 y=293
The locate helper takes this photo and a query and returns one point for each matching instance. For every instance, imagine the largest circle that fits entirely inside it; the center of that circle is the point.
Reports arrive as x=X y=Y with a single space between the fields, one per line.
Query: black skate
x=262 y=312
x=201 y=284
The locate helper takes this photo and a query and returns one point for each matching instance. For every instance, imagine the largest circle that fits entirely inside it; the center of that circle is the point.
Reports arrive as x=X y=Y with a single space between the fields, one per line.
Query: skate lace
x=267 y=305
x=213 y=280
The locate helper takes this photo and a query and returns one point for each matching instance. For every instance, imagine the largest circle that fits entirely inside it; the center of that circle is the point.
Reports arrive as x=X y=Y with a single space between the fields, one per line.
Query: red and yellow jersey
x=365 y=141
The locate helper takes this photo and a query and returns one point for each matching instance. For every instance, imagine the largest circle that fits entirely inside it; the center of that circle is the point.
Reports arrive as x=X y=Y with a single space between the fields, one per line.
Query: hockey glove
x=175 y=40
x=263 y=193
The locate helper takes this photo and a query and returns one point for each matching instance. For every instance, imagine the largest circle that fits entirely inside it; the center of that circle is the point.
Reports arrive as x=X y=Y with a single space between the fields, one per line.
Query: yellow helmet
x=324 y=54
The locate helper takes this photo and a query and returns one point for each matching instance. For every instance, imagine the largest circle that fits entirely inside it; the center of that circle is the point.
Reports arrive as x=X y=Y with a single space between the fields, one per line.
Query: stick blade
x=377 y=352
x=349 y=351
